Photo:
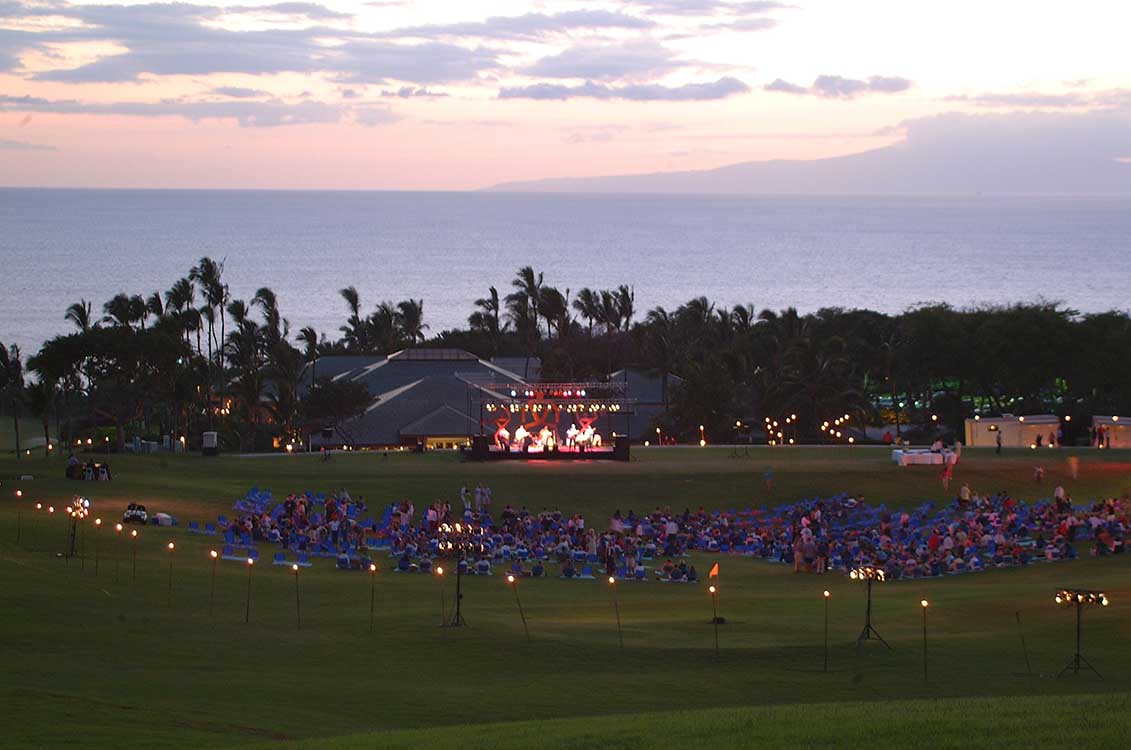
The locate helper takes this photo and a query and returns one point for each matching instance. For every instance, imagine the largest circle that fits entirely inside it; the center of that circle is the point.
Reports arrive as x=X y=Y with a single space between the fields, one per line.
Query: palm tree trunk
x=16 y=425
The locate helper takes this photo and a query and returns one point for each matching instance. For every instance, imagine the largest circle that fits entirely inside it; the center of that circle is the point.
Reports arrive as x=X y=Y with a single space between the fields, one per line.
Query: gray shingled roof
x=416 y=394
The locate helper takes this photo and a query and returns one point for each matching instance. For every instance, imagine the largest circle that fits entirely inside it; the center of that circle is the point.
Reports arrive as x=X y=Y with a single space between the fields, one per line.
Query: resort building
x=1016 y=432
x=1115 y=430
x=420 y=397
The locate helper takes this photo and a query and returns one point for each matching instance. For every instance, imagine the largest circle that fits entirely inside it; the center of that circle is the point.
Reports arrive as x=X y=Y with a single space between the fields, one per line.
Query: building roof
x=530 y=368
x=645 y=385
x=417 y=393
x=1042 y=419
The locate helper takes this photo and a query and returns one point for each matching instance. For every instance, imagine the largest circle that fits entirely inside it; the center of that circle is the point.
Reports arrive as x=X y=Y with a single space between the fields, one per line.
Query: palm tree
x=555 y=309
x=79 y=313
x=525 y=322
x=609 y=312
x=355 y=333
x=207 y=273
x=626 y=304
x=529 y=285
x=275 y=326
x=309 y=337
x=410 y=320
x=154 y=305
x=117 y=310
x=588 y=305
x=181 y=298
x=12 y=385
x=487 y=319
x=382 y=329
x=659 y=345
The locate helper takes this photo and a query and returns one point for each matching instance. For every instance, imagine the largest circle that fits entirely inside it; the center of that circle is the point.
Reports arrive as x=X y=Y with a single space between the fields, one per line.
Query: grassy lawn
x=90 y=661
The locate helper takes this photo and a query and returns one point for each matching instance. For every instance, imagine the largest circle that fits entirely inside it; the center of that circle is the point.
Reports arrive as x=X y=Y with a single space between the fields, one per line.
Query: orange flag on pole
x=714 y=571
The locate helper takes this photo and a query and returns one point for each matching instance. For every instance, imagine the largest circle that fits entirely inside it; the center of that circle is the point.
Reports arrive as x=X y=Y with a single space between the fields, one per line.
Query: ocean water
x=57 y=246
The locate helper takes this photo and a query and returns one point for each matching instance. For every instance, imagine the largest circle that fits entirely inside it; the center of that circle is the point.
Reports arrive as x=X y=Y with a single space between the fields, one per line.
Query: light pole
x=171 y=546
x=117 y=550
x=212 y=588
x=133 y=552
x=298 y=601
x=97 y=529
x=827 y=596
x=247 y=607
x=514 y=587
x=616 y=609
x=714 y=592
x=372 y=592
x=924 y=604
x=443 y=602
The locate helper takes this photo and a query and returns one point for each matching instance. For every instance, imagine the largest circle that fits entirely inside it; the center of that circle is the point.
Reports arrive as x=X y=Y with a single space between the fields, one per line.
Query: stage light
x=510 y=578
x=868 y=574
x=934 y=417
x=440 y=570
x=711 y=589
x=98 y=522
x=50 y=508
x=171 y=546
x=1033 y=446
x=19 y=493
x=826 y=593
x=977 y=417
x=213 y=554
x=793 y=417
x=133 y=533
x=702 y=442
x=1067 y=417
x=1021 y=419
x=250 y=561
x=372 y=568
x=39 y=506
x=1115 y=419
x=924 y=603
x=1079 y=599
x=852 y=440
x=118 y=528
x=647 y=443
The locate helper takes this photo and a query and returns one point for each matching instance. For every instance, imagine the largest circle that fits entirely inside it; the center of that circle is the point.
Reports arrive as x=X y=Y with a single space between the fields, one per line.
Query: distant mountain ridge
x=892 y=170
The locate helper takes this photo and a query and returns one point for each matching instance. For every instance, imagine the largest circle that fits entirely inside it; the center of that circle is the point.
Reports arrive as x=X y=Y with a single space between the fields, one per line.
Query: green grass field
x=91 y=661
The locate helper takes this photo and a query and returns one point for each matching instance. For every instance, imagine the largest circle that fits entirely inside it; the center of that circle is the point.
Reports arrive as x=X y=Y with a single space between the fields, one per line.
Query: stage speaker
x=479 y=448
x=620 y=448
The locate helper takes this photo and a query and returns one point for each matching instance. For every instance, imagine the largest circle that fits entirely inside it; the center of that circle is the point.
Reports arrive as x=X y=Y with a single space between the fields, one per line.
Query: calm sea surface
x=57 y=246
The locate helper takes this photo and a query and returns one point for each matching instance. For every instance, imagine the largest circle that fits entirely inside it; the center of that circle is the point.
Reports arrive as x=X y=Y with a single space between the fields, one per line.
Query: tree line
x=194 y=358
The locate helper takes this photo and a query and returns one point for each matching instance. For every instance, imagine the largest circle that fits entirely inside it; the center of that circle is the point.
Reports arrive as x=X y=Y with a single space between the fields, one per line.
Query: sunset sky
x=437 y=94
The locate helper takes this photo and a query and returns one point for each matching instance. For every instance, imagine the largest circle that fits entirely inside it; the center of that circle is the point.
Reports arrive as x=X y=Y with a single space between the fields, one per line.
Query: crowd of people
x=972 y=533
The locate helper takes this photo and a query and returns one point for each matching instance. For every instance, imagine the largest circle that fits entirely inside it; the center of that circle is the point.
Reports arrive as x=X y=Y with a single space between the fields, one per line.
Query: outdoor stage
x=550 y=421
x=557 y=454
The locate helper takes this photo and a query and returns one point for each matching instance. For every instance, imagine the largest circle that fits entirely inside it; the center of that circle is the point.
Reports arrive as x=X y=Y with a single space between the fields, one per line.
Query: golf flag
x=714 y=571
